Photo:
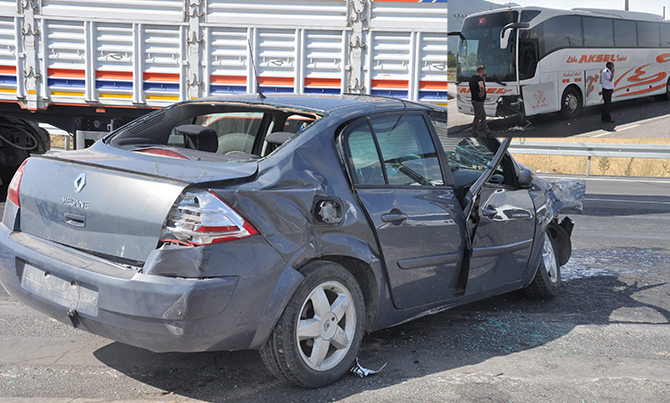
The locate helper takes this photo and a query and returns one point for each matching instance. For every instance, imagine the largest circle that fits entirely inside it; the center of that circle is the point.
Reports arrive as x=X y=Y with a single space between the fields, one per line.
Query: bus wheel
x=571 y=103
x=666 y=95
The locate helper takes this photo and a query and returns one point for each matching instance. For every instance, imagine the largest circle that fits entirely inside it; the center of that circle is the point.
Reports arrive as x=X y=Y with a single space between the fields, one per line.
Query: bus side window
x=648 y=34
x=598 y=32
x=625 y=35
x=560 y=32
x=665 y=35
x=528 y=50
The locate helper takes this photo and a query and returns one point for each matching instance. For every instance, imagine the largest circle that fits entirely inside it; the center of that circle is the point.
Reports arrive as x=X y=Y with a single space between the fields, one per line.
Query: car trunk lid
x=109 y=201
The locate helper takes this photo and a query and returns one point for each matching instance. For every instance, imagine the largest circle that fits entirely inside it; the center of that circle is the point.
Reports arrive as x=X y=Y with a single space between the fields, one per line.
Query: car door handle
x=392 y=217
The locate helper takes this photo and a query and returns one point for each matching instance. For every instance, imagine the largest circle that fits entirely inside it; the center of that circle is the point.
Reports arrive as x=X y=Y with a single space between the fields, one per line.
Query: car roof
x=322 y=103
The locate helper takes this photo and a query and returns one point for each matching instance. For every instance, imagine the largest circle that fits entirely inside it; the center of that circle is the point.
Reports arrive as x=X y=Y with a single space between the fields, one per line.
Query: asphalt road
x=644 y=117
x=606 y=338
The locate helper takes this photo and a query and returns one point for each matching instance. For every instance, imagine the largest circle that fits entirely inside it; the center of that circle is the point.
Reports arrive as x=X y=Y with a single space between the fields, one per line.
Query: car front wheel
x=547 y=281
x=320 y=331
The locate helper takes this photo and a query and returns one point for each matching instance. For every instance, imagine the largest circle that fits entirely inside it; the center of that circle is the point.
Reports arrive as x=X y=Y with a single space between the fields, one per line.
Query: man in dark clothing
x=606 y=79
x=477 y=96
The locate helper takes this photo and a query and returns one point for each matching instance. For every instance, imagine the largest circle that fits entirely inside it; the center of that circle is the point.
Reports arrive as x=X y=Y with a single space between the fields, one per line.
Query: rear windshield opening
x=235 y=130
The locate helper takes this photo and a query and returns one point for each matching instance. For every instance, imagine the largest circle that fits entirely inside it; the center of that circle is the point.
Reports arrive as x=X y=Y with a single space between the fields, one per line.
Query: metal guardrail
x=590 y=150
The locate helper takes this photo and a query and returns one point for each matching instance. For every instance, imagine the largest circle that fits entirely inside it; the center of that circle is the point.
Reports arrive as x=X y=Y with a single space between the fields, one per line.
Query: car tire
x=547 y=281
x=326 y=311
x=571 y=103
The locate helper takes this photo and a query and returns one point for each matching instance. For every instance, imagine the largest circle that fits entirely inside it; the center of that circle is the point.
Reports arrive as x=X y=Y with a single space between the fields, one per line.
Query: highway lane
x=644 y=117
x=623 y=213
x=605 y=338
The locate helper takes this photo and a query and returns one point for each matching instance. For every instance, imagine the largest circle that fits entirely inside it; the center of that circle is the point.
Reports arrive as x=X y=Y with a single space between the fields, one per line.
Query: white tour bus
x=560 y=55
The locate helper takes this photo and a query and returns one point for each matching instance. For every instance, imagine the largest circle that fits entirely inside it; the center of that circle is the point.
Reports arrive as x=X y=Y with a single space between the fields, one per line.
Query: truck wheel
x=320 y=331
x=571 y=103
x=547 y=281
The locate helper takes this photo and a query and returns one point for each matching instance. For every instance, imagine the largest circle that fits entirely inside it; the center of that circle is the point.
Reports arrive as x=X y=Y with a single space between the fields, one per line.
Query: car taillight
x=15 y=184
x=200 y=217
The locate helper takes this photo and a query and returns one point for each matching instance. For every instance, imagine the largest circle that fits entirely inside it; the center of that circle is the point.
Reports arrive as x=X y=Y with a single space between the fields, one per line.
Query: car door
x=501 y=224
x=418 y=220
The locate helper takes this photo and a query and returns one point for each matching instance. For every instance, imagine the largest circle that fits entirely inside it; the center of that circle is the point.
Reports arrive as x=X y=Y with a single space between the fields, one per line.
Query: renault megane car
x=292 y=225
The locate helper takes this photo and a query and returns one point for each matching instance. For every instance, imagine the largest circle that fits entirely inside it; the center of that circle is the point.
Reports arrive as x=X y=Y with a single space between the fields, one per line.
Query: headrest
x=201 y=138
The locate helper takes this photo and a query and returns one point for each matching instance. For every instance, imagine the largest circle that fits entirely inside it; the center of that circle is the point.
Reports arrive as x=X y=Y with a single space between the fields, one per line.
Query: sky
x=648 y=6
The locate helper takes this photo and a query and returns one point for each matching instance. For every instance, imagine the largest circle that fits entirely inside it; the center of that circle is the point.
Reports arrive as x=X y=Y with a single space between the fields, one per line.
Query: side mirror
x=507 y=30
x=456 y=33
x=525 y=179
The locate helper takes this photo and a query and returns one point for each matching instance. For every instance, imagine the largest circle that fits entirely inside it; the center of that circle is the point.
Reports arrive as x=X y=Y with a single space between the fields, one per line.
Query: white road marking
x=626 y=127
x=626 y=201
x=595 y=178
x=602 y=133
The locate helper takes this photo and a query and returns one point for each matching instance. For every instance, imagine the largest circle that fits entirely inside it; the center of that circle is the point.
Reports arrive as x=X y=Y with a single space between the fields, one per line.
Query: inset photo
x=562 y=69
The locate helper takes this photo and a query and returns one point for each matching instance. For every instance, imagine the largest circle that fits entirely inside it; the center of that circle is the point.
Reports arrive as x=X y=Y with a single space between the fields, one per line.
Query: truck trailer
x=89 y=67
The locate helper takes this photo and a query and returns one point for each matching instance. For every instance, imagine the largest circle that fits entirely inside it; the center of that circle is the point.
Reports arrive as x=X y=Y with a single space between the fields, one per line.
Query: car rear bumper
x=155 y=312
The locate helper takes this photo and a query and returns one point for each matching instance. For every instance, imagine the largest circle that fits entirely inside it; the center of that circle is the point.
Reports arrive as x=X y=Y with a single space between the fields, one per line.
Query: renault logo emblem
x=80 y=182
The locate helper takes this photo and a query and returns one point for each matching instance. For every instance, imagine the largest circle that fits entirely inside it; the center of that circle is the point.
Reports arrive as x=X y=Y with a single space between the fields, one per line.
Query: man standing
x=477 y=96
x=606 y=77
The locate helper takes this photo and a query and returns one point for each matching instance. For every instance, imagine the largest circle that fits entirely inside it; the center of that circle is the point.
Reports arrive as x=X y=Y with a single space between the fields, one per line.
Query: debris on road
x=363 y=372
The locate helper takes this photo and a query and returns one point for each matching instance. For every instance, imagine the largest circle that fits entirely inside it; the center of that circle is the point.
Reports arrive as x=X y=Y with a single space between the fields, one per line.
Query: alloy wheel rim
x=326 y=326
x=549 y=260
x=571 y=102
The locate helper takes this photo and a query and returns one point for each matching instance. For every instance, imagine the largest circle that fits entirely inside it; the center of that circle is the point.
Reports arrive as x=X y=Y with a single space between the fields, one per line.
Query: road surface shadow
x=598 y=285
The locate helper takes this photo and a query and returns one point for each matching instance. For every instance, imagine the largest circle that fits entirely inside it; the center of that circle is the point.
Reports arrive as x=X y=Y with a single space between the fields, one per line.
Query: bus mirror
x=507 y=30
x=456 y=33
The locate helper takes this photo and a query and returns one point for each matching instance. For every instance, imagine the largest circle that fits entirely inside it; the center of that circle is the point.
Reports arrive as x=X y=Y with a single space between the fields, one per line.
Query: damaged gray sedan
x=292 y=225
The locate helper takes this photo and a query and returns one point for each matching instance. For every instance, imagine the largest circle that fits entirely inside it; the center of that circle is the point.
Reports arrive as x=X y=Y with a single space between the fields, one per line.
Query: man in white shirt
x=606 y=78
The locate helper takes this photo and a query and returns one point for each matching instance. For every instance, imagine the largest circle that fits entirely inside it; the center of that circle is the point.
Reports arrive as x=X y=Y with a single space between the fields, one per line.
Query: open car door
x=499 y=213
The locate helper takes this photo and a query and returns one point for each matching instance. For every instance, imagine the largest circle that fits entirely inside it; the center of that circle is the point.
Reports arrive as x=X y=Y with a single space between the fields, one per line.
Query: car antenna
x=261 y=97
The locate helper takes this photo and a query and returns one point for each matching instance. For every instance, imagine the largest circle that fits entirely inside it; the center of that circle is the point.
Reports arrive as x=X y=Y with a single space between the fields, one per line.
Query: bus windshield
x=481 y=47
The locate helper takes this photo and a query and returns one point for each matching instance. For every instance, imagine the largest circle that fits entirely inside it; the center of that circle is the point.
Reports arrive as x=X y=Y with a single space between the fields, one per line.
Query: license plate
x=64 y=292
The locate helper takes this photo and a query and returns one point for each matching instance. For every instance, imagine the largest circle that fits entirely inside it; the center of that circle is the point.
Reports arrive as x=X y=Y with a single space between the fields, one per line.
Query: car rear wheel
x=571 y=103
x=547 y=281
x=319 y=333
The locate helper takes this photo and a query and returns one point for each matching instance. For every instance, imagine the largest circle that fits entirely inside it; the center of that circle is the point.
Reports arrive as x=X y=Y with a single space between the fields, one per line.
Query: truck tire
x=18 y=139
